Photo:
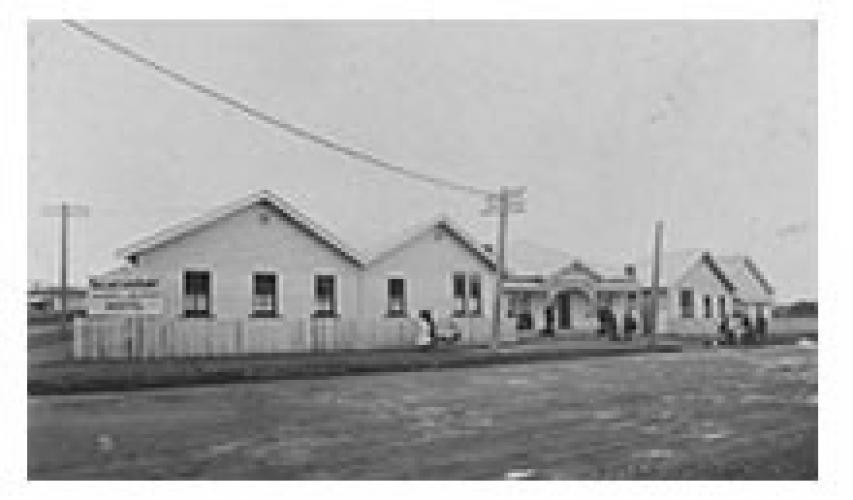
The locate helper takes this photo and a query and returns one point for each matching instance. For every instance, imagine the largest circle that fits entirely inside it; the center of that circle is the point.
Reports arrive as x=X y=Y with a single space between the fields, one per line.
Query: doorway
x=564 y=311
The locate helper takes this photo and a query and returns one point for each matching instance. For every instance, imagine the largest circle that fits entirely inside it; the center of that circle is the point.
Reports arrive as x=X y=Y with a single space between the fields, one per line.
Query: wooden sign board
x=125 y=295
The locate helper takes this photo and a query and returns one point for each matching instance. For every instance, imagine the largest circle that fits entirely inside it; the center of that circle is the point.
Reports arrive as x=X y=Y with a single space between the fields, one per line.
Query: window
x=721 y=306
x=325 y=305
x=686 y=303
x=459 y=294
x=196 y=294
x=264 y=303
x=476 y=296
x=396 y=297
x=706 y=304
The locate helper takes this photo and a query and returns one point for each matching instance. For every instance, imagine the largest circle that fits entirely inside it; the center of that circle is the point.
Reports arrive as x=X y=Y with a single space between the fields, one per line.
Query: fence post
x=238 y=336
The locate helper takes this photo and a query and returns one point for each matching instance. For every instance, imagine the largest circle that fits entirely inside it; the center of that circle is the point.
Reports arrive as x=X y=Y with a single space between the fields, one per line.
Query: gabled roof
x=751 y=284
x=442 y=221
x=259 y=197
x=578 y=265
x=675 y=264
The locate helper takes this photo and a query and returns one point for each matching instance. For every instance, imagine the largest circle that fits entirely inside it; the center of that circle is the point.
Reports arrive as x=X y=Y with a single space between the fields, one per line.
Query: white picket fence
x=151 y=338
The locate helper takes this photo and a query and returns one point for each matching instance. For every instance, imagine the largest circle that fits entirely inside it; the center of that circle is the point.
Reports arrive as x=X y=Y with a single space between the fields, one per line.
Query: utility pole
x=655 y=282
x=508 y=200
x=64 y=211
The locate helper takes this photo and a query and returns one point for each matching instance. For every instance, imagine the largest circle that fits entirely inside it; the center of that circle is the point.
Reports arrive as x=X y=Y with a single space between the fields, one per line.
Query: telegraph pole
x=655 y=282
x=64 y=211
x=508 y=200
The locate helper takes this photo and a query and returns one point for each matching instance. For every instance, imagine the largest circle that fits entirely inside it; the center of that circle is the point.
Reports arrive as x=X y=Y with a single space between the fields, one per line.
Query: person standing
x=426 y=332
x=724 y=331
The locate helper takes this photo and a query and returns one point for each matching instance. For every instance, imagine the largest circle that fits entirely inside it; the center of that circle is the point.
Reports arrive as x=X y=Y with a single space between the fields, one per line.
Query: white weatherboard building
x=258 y=275
x=696 y=289
x=261 y=275
x=694 y=293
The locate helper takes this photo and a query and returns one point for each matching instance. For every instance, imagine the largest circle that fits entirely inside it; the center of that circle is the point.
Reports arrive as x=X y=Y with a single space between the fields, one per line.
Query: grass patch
x=117 y=375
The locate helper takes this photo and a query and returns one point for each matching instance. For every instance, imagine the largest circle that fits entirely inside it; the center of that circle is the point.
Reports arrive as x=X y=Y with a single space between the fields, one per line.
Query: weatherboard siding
x=427 y=264
x=235 y=247
x=702 y=280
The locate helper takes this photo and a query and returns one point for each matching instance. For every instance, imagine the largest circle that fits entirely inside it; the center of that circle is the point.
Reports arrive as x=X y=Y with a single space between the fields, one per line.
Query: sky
x=710 y=126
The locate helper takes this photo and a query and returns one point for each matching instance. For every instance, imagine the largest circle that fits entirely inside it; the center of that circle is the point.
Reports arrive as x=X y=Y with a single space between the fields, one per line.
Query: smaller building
x=694 y=295
x=575 y=299
x=754 y=297
x=45 y=301
x=435 y=266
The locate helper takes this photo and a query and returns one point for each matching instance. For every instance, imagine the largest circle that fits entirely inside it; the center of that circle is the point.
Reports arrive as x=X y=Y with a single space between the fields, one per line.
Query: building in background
x=574 y=299
x=695 y=293
x=754 y=296
x=45 y=302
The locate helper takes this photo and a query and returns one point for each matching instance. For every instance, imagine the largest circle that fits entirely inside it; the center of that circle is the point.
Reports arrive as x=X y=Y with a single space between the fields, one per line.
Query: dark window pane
x=265 y=284
x=396 y=296
x=324 y=294
x=196 y=293
x=459 y=285
x=197 y=282
x=264 y=298
x=476 y=305
x=459 y=306
x=686 y=303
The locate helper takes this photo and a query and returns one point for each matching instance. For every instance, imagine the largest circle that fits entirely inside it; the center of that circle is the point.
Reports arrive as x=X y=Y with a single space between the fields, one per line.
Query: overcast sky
x=709 y=126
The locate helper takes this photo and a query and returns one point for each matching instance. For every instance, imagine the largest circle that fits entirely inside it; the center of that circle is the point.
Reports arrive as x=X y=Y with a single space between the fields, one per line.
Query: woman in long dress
x=425 y=332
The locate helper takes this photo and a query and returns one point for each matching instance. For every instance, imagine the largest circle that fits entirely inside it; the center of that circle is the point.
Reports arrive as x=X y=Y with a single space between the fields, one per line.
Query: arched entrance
x=570 y=306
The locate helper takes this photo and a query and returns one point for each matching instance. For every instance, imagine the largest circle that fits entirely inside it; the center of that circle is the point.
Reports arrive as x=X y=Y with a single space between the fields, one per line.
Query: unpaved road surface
x=708 y=414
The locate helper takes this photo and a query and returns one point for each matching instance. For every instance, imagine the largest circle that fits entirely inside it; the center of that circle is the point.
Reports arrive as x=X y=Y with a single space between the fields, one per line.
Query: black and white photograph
x=421 y=249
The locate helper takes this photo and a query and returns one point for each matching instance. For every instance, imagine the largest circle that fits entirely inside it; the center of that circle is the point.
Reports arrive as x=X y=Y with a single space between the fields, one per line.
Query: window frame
x=687 y=309
x=404 y=309
x=707 y=306
x=475 y=278
x=457 y=311
x=333 y=311
x=265 y=313
x=195 y=312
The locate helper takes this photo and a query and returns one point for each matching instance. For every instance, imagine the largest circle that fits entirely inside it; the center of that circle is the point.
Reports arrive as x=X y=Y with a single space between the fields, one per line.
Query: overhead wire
x=301 y=132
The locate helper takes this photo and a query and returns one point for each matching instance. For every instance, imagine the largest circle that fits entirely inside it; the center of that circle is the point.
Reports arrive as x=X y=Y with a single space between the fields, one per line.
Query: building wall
x=235 y=247
x=427 y=264
x=703 y=282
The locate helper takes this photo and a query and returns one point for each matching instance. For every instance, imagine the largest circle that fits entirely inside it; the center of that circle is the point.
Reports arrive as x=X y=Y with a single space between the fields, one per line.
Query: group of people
x=429 y=334
x=739 y=330
x=608 y=326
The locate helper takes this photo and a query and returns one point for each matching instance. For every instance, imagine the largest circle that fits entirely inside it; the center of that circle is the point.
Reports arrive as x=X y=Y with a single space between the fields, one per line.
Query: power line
x=290 y=128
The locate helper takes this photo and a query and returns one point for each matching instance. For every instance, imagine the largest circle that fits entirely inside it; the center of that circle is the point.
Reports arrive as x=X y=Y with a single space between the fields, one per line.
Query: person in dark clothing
x=761 y=329
x=630 y=324
x=723 y=329
x=549 y=322
x=749 y=332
